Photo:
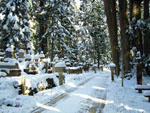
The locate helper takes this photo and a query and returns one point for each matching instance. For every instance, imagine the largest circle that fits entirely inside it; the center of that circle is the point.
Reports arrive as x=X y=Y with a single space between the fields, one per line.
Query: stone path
x=88 y=97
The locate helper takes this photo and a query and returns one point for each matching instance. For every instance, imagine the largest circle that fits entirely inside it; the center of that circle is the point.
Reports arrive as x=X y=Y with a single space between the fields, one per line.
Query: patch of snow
x=147 y=93
x=60 y=64
x=125 y=99
x=5 y=27
x=112 y=65
x=28 y=56
x=73 y=67
x=143 y=86
x=21 y=50
x=2 y=74
x=1 y=16
x=9 y=49
x=16 y=26
x=2 y=53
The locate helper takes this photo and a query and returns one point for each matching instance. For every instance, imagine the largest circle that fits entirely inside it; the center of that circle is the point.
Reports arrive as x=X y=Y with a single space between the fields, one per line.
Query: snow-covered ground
x=25 y=104
x=87 y=98
x=126 y=99
x=82 y=93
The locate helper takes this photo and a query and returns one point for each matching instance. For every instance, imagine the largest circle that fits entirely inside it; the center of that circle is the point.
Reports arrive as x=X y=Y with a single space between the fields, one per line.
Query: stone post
x=112 y=68
x=23 y=85
x=60 y=67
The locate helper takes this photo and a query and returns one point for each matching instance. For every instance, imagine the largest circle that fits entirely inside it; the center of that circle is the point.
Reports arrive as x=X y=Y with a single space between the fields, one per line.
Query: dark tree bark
x=146 y=36
x=137 y=15
x=146 y=9
x=124 y=36
x=110 y=11
x=43 y=27
x=131 y=9
x=52 y=49
x=98 y=59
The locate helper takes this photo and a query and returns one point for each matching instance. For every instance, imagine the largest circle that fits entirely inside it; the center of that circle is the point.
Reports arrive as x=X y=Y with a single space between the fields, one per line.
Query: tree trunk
x=137 y=14
x=52 y=49
x=48 y=47
x=98 y=59
x=131 y=9
x=124 y=36
x=43 y=27
x=110 y=11
x=146 y=37
x=146 y=9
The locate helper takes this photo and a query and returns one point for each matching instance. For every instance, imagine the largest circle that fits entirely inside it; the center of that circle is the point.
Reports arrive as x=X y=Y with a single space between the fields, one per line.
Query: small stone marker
x=21 y=53
x=60 y=67
x=42 y=56
x=9 y=53
x=112 y=68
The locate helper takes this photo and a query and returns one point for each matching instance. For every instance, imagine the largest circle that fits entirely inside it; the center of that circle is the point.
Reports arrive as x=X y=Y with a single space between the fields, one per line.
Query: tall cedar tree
x=124 y=36
x=146 y=38
x=110 y=11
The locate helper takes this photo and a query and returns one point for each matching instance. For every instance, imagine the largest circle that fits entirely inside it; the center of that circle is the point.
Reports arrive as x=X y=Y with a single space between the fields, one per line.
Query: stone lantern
x=60 y=68
x=112 y=68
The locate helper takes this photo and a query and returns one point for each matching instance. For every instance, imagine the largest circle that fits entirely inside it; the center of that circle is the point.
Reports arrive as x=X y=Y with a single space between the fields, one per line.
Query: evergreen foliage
x=14 y=26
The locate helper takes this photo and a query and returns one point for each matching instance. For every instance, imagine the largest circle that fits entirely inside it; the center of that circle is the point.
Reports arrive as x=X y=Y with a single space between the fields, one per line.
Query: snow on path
x=126 y=99
x=59 y=97
x=88 y=97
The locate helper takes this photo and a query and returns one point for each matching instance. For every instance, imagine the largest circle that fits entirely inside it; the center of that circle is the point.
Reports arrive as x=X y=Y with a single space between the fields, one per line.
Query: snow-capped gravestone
x=36 y=59
x=60 y=68
x=42 y=56
x=21 y=55
x=46 y=64
x=31 y=69
x=9 y=53
x=28 y=57
x=2 y=56
x=112 y=68
x=10 y=67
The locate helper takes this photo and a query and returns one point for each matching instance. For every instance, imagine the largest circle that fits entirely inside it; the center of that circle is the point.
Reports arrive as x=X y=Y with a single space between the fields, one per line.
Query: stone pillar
x=112 y=68
x=60 y=67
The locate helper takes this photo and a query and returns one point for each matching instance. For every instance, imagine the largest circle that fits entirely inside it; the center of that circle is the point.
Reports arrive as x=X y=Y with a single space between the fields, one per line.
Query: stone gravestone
x=2 y=56
x=60 y=67
x=9 y=53
x=21 y=55
x=42 y=56
x=36 y=59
